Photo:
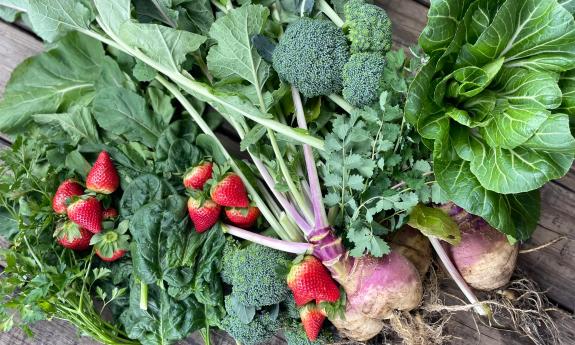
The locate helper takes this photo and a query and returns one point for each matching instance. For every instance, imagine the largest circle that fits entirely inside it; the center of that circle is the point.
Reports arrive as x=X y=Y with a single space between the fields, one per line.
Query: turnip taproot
x=484 y=257
x=414 y=246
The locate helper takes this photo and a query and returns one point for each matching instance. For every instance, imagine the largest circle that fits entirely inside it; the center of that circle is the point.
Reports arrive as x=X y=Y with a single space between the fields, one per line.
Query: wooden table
x=553 y=267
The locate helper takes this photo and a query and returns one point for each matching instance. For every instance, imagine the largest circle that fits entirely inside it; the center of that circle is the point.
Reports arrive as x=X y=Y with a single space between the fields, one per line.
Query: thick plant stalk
x=315 y=195
x=454 y=273
x=285 y=246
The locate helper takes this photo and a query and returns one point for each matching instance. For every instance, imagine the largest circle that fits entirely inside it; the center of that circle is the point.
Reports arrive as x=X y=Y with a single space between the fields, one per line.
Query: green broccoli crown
x=253 y=274
x=295 y=335
x=310 y=55
x=368 y=27
x=260 y=329
x=362 y=78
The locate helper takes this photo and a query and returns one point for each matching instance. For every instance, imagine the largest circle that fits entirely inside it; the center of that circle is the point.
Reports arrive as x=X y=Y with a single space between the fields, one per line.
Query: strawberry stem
x=285 y=246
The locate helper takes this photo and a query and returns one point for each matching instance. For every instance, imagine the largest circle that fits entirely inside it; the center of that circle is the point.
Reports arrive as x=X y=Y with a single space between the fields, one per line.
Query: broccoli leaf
x=51 y=18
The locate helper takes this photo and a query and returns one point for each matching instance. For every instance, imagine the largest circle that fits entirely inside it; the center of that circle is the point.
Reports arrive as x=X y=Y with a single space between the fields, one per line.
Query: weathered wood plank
x=15 y=46
x=408 y=18
x=55 y=332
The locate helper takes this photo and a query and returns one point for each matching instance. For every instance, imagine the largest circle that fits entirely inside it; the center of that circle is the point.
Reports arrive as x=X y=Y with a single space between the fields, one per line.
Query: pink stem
x=316 y=196
x=285 y=246
x=288 y=206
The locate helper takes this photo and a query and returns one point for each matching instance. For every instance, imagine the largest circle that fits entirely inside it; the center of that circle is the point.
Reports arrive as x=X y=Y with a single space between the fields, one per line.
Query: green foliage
x=362 y=79
x=435 y=222
x=488 y=99
x=311 y=55
x=295 y=335
x=253 y=274
x=368 y=27
x=375 y=167
x=257 y=331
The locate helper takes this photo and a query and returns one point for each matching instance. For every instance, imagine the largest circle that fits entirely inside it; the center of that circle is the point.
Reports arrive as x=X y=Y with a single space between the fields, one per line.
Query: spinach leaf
x=176 y=150
x=143 y=190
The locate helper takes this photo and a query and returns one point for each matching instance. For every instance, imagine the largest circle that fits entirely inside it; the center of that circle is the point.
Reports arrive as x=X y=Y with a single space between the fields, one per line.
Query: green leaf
x=52 y=18
x=113 y=13
x=235 y=56
x=196 y=16
x=77 y=163
x=52 y=82
x=143 y=190
x=434 y=222
x=124 y=112
x=165 y=46
x=252 y=137
x=79 y=125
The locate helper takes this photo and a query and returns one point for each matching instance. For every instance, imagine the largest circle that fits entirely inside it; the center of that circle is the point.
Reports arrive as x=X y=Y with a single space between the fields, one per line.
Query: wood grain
x=15 y=46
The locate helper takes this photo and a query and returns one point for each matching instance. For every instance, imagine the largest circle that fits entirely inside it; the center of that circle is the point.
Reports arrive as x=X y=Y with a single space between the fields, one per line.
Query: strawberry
x=113 y=244
x=71 y=236
x=230 y=191
x=65 y=191
x=103 y=177
x=196 y=177
x=87 y=213
x=312 y=319
x=309 y=280
x=109 y=214
x=243 y=217
x=203 y=215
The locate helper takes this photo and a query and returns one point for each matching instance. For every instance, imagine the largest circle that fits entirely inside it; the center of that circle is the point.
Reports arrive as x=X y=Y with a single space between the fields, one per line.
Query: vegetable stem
x=143 y=296
x=342 y=103
x=285 y=246
x=315 y=195
x=330 y=13
x=454 y=273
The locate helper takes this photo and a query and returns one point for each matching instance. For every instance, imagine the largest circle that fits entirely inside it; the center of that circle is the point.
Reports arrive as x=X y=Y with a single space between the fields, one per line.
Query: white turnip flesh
x=484 y=257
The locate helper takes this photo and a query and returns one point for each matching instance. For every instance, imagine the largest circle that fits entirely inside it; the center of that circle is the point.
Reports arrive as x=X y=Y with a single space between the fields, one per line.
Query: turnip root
x=484 y=257
x=414 y=246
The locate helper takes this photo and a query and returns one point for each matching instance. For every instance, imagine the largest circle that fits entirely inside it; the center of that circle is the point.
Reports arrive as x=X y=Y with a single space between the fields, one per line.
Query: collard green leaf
x=113 y=13
x=52 y=18
x=434 y=222
x=234 y=56
x=567 y=85
x=52 y=82
x=195 y=15
x=125 y=113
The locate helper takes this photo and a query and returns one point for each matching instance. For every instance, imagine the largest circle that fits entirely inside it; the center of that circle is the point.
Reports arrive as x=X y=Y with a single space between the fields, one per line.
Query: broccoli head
x=368 y=27
x=253 y=273
x=260 y=329
x=362 y=78
x=295 y=335
x=310 y=55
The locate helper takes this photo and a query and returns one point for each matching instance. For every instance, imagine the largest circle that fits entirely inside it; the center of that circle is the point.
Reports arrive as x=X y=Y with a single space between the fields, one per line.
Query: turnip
x=414 y=246
x=484 y=257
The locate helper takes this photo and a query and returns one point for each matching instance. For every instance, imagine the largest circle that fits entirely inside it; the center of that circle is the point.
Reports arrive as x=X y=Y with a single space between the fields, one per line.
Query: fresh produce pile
x=348 y=162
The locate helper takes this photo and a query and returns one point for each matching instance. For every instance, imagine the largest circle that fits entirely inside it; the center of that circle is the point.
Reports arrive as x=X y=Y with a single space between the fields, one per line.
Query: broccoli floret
x=362 y=78
x=310 y=55
x=368 y=27
x=253 y=274
x=260 y=329
x=295 y=335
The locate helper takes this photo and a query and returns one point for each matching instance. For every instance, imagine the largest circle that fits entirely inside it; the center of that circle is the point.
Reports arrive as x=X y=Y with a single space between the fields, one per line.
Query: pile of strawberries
x=85 y=222
x=312 y=286
x=211 y=189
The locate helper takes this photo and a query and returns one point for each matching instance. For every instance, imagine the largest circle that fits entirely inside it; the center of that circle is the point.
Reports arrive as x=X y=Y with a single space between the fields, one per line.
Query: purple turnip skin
x=484 y=257
x=414 y=246
x=375 y=287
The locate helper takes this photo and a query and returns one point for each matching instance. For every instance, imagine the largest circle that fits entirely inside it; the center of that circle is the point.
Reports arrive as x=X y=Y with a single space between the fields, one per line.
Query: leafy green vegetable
x=486 y=99
x=434 y=222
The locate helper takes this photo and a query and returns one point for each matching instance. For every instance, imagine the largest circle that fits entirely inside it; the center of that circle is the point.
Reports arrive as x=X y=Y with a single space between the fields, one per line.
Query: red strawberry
x=113 y=244
x=109 y=214
x=312 y=319
x=309 y=280
x=87 y=213
x=65 y=191
x=196 y=177
x=204 y=215
x=242 y=217
x=230 y=192
x=71 y=236
x=103 y=178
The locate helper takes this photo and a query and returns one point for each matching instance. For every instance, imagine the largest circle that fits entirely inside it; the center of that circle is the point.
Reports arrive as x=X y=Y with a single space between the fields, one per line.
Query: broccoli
x=368 y=27
x=310 y=55
x=295 y=335
x=253 y=274
x=261 y=328
x=362 y=78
